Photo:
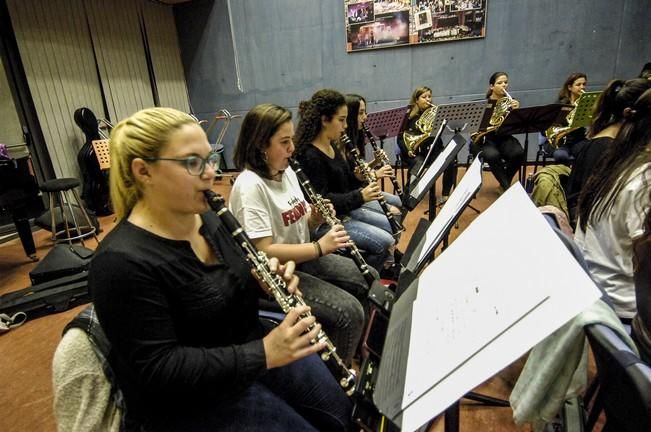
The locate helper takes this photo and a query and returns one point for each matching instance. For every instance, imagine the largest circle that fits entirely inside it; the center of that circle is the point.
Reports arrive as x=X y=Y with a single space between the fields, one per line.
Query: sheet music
x=420 y=188
x=455 y=204
x=485 y=301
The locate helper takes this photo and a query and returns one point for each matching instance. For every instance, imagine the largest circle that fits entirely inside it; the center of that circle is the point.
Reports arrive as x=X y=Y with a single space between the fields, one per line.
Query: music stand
x=532 y=119
x=583 y=111
x=467 y=114
x=386 y=124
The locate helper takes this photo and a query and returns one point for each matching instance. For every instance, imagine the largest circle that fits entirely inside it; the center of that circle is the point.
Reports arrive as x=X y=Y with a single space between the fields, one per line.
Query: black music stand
x=532 y=119
x=464 y=116
x=386 y=124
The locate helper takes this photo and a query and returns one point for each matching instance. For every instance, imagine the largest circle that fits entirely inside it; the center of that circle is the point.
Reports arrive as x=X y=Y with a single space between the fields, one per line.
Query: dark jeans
x=337 y=310
x=504 y=155
x=302 y=396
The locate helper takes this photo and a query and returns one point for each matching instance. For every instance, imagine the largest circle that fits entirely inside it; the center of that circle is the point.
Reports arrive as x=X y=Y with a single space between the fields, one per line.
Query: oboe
x=384 y=159
x=278 y=287
x=369 y=175
x=321 y=206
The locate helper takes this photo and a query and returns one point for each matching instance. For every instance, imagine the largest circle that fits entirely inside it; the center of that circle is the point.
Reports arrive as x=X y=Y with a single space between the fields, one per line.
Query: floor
x=26 y=352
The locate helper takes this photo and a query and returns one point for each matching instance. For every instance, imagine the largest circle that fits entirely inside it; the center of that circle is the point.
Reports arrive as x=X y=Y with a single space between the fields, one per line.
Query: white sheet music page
x=505 y=283
x=454 y=205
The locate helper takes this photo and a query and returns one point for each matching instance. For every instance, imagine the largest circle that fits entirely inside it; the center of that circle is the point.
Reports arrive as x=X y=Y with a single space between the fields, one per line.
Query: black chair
x=624 y=383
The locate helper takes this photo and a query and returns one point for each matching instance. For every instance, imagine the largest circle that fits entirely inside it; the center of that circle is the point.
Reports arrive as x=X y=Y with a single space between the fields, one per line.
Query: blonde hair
x=143 y=135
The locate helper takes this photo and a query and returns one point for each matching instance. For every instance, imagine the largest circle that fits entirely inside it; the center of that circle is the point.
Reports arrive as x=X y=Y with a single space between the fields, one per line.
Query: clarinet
x=318 y=202
x=369 y=175
x=384 y=159
x=278 y=287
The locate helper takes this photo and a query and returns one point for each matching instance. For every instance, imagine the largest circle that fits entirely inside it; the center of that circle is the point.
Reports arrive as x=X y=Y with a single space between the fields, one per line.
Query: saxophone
x=384 y=160
x=424 y=125
x=369 y=175
x=278 y=287
x=501 y=110
x=321 y=206
x=556 y=134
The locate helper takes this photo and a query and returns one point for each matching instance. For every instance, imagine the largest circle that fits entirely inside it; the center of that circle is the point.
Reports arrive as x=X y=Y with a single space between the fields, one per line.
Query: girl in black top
x=570 y=145
x=503 y=153
x=177 y=302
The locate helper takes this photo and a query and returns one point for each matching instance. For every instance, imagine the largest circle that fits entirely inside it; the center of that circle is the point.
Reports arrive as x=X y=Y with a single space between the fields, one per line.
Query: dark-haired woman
x=267 y=200
x=570 y=145
x=614 y=204
x=321 y=124
x=641 y=326
x=176 y=300
x=370 y=212
x=503 y=153
x=608 y=118
x=419 y=103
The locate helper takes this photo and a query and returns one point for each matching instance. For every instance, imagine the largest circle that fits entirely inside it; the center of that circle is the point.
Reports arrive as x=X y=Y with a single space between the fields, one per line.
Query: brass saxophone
x=321 y=206
x=369 y=176
x=424 y=125
x=556 y=134
x=278 y=287
x=501 y=110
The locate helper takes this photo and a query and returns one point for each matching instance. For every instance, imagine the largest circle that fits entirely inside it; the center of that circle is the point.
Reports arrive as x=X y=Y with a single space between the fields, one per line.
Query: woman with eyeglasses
x=178 y=304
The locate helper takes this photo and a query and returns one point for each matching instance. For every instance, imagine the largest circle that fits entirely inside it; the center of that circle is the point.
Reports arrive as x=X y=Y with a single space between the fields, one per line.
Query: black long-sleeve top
x=332 y=178
x=183 y=334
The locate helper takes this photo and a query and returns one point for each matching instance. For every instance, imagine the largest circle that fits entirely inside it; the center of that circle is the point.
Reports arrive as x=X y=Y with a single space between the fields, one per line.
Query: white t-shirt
x=270 y=208
x=608 y=245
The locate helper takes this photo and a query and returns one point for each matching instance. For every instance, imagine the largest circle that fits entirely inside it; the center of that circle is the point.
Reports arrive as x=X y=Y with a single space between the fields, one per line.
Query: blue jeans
x=302 y=396
x=374 y=242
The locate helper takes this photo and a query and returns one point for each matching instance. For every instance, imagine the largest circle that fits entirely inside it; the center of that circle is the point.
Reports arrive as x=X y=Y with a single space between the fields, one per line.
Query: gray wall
x=282 y=51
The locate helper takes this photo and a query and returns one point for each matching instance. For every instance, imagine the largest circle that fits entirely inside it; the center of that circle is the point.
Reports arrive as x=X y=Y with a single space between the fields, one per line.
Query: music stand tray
x=583 y=112
x=466 y=114
x=387 y=123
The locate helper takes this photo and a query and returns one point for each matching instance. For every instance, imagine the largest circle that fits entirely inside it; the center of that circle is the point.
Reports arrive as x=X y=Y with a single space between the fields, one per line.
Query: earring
x=264 y=157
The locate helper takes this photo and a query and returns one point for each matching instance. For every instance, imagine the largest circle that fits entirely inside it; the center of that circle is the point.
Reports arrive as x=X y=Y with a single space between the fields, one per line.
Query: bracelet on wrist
x=317 y=248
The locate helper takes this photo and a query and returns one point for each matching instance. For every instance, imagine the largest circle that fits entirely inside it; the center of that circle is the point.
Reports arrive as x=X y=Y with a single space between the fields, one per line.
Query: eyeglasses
x=194 y=164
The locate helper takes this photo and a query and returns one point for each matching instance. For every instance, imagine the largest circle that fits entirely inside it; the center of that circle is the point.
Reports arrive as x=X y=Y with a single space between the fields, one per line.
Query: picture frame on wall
x=390 y=23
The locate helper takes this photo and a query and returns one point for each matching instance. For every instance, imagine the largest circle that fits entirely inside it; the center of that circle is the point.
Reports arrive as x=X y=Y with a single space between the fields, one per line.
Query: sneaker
x=440 y=200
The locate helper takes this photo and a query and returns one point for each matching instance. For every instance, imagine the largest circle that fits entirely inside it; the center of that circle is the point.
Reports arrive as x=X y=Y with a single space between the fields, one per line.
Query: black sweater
x=184 y=334
x=332 y=178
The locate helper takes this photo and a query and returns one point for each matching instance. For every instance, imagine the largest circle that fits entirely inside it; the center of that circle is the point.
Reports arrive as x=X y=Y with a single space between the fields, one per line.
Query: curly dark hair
x=258 y=126
x=612 y=102
x=630 y=150
x=323 y=103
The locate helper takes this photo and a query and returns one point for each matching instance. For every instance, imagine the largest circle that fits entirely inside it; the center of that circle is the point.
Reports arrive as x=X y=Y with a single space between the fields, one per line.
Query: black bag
x=62 y=260
x=49 y=297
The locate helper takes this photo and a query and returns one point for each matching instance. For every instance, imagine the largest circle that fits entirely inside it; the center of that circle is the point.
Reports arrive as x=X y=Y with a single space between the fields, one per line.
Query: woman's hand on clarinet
x=291 y=340
x=384 y=171
x=286 y=271
x=371 y=192
x=336 y=238
x=316 y=218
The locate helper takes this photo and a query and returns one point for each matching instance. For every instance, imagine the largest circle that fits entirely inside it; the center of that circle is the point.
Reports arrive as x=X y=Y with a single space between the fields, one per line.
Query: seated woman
x=608 y=118
x=613 y=206
x=322 y=121
x=370 y=212
x=569 y=145
x=269 y=204
x=503 y=153
x=419 y=103
x=178 y=304
x=641 y=326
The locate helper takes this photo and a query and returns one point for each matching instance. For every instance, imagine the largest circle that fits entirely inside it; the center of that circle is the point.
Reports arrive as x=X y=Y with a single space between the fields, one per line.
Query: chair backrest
x=85 y=395
x=102 y=153
x=625 y=381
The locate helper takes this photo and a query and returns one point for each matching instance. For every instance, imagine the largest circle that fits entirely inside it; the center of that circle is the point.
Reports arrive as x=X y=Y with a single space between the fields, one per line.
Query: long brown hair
x=324 y=102
x=564 y=93
x=258 y=126
x=612 y=102
x=415 y=110
x=630 y=150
